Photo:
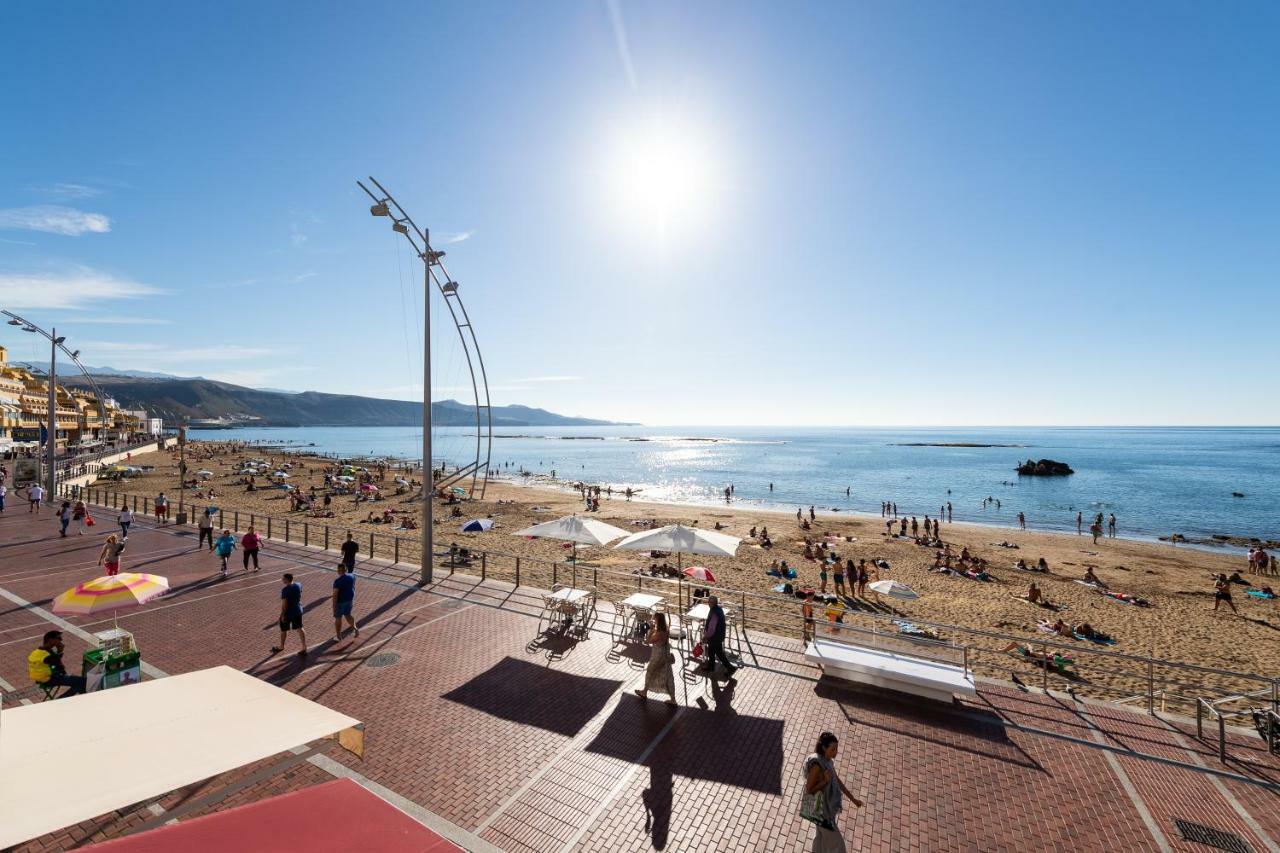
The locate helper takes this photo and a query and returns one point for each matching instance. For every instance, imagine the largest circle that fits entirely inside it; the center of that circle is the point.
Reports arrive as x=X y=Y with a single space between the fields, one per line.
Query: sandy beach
x=1179 y=625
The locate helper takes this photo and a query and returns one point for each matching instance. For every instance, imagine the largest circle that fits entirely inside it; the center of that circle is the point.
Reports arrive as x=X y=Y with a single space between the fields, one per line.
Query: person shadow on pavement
x=657 y=805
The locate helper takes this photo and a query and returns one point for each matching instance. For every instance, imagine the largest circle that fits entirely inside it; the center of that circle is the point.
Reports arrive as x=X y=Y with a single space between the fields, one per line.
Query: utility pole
x=52 y=452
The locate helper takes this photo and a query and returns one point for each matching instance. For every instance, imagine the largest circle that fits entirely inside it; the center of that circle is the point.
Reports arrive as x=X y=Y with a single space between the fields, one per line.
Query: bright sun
x=663 y=175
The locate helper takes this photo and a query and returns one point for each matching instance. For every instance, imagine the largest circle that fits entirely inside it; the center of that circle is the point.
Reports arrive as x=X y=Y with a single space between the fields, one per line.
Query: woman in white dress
x=658 y=675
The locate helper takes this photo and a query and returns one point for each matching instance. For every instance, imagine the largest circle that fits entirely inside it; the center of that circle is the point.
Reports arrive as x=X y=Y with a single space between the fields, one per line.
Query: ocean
x=1157 y=481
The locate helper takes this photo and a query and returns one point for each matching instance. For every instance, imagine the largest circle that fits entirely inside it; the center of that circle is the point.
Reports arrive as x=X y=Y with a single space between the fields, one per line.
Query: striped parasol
x=110 y=593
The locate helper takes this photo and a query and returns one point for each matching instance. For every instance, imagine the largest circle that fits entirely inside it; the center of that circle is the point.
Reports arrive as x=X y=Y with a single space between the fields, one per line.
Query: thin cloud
x=457 y=238
x=54 y=219
x=68 y=190
x=120 y=346
x=548 y=379
x=109 y=320
x=624 y=44
x=301 y=277
x=229 y=352
x=77 y=288
x=17 y=242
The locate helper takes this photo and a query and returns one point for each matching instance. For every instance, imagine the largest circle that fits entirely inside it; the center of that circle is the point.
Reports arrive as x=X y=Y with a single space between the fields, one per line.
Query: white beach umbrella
x=893 y=589
x=682 y=540
x=585 y=531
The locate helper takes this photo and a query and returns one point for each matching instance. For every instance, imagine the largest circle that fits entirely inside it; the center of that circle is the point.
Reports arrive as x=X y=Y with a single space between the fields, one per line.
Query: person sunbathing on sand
x=1059 y=627
x=1042 y=566
x=1022 y=564
x=1033 y=594
x=1090 y=577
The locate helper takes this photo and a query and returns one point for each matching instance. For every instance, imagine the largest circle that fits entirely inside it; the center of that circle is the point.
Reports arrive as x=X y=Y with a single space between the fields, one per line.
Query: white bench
x=890 y=670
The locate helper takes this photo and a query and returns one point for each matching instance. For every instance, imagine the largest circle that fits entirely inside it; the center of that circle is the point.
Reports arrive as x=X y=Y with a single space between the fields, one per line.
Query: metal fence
x=1152 y=682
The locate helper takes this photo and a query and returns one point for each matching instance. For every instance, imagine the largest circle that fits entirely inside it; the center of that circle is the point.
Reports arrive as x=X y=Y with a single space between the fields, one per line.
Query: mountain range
x=179 y=400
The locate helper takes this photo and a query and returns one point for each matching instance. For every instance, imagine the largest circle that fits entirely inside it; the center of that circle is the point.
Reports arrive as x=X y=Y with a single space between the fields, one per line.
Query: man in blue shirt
x=291 y=614
x=344 y=595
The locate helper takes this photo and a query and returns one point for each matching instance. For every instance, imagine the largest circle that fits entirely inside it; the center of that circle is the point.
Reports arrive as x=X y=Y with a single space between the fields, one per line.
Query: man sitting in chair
x=44 y=665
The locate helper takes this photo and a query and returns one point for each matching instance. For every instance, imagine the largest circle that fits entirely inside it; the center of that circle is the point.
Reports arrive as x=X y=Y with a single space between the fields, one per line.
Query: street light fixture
x=380 y=209
x=56 y=343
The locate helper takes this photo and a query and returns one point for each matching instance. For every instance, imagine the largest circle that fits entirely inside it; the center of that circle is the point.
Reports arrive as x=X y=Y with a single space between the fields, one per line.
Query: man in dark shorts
x=344 y=595
x=349 y=550
x=291 y=614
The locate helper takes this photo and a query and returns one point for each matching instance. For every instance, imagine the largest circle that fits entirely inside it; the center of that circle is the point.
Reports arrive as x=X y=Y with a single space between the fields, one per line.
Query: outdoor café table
x=569 y=604
x=634 y=606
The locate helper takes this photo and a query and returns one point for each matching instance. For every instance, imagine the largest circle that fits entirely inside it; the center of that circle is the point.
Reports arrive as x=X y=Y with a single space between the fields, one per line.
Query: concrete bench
x=890 y=670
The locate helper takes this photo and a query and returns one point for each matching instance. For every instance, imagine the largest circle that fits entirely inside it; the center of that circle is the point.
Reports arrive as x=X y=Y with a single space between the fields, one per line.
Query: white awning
x=110 y=749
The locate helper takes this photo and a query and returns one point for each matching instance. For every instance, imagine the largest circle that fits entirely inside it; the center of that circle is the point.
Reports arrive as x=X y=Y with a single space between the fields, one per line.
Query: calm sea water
x=1156 y=480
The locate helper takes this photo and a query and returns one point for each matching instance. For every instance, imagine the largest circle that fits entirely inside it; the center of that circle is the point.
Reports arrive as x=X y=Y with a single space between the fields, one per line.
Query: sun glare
x=663 y=176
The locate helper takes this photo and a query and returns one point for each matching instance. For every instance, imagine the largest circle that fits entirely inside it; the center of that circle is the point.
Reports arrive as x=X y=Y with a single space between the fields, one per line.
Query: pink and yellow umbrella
x=110 y=593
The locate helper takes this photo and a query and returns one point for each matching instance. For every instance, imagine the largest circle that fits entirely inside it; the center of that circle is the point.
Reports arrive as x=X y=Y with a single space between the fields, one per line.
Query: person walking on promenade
x=658 y=674
x=205 y=525
x=162 y=508
x=3 y=494
x=713 y=633
x=291 y=614
x=35 y=494
x=78 y=513
x=126 y=521
x=823 y=784
x=225 y=546
x=349 y=550
x=1221 y=593
x=344 y=596
x=252 y=544
x=64 y=517
x=109 y=557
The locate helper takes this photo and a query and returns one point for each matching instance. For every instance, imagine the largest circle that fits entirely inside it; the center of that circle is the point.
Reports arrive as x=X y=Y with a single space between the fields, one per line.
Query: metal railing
x=1115 y=676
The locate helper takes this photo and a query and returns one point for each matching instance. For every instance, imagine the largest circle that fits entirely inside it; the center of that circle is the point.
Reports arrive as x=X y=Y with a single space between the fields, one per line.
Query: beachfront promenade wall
x=769 y=626
x=83 y=470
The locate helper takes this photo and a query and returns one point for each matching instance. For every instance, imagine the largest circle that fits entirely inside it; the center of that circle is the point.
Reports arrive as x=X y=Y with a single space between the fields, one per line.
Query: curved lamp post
x=55 y=344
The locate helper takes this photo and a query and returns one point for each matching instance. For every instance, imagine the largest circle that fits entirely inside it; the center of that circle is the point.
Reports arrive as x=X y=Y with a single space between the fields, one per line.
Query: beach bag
x=88 y=520
x=813 y=807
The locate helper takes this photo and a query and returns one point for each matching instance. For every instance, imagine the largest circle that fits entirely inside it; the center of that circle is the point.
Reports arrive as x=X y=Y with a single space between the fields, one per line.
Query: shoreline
x=1181 y=624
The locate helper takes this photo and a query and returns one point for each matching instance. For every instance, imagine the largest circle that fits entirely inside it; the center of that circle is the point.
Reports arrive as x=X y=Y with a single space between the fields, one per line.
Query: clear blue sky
x=715 y=213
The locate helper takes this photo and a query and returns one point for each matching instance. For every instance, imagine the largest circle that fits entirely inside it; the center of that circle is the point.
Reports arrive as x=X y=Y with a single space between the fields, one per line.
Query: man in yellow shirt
x=44 y=665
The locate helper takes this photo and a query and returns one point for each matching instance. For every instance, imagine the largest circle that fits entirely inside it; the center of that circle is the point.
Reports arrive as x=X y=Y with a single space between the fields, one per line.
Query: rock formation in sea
x=1044 y=468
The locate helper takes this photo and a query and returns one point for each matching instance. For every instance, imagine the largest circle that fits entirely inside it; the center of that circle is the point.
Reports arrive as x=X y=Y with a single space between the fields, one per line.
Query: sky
x=828 y=213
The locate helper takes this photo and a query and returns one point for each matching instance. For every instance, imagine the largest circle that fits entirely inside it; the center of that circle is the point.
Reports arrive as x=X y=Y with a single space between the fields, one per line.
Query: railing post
x=396 y=550
x=326 y=537
x=743 y=622
x=306 y=533
x=1044 y=667
x=484 y=565
x=1222 y=738
x=1200 y=719
x=1151 y=687
x=517 y=571
x=575 y=575
x=555 y=574
x=268 y=527
x=286 y=530
x=370 y=546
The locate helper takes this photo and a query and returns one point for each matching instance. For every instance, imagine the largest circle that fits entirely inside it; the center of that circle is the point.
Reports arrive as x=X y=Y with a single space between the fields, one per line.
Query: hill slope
x=180 y=400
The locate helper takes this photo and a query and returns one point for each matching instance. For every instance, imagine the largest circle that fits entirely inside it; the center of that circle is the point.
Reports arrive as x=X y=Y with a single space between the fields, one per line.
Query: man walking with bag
x=713 y=633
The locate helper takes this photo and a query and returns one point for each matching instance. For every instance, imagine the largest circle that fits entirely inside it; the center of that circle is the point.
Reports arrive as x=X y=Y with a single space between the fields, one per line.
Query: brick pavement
x=544 y=748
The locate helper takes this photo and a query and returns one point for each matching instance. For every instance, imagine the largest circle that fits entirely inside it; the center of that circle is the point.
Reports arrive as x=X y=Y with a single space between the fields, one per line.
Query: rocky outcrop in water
x=1044 y=468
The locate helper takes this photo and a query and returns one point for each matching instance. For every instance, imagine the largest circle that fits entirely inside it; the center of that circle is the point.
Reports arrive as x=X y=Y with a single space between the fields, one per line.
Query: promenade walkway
x=497 y=743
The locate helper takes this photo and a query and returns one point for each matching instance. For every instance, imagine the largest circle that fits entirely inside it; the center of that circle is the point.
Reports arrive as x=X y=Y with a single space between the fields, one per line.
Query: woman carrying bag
x=823 y=796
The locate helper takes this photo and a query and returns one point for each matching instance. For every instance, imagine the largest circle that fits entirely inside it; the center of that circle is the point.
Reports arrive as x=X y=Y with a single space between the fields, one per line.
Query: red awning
x=336 y=817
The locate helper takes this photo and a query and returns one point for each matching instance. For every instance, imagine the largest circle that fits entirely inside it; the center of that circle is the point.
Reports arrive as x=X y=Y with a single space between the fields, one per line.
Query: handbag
x=697 y=650
x=813 y=808
x=89 y=522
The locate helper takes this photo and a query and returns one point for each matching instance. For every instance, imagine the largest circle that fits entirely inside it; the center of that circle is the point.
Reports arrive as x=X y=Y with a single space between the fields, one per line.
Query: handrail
x=766 y=605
